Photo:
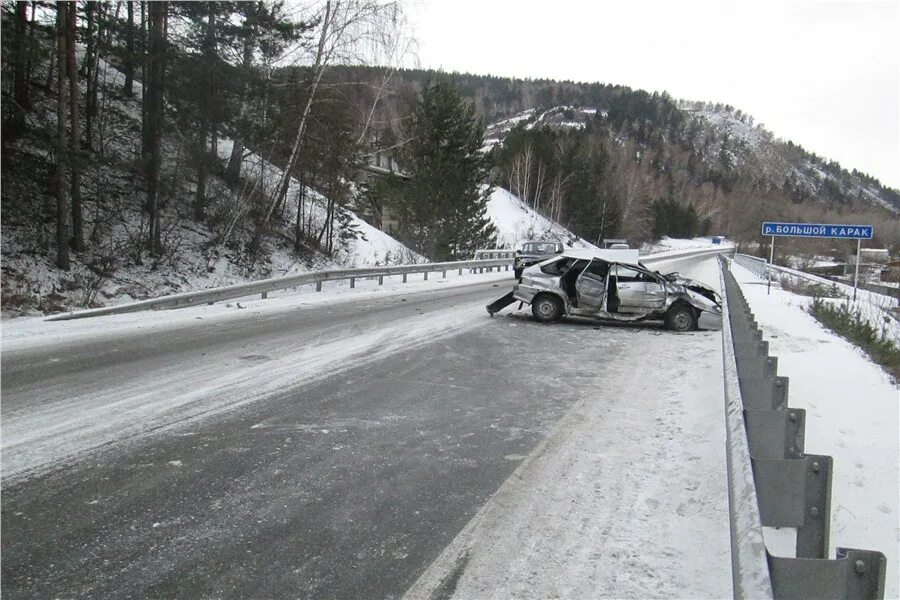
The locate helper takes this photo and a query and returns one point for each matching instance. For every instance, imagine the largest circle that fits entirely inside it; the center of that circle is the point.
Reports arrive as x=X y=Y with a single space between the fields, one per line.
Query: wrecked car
x=532 y=253
x=600 y=286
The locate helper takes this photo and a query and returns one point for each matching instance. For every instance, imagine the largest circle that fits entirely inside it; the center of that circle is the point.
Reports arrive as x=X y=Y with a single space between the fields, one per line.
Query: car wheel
x=546 y=308
x=681 y=318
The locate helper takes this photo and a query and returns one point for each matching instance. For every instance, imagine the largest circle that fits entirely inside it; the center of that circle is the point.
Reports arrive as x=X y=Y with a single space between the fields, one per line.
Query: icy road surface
x=339 y=449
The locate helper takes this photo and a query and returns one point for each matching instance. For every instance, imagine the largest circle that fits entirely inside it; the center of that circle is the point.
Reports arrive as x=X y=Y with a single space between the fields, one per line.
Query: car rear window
x=540 y=247
x=561 y=266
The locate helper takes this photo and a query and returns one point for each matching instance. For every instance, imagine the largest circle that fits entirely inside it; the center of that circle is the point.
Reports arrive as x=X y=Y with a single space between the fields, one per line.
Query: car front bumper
x=709 y=320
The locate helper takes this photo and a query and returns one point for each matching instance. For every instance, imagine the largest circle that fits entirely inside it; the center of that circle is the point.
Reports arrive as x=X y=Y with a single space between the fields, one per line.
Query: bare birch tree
x=345 y=26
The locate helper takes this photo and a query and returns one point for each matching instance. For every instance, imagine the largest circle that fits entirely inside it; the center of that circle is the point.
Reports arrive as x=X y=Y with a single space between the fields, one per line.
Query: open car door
x=591 y=286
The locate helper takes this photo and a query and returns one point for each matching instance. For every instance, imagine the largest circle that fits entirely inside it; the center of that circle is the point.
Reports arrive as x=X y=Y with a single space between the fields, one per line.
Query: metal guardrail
x=760 y=267
x=494 y=253
x=757 y=266
x=265 y=286
x=503 y=259
x=884 y=290
x=792 y=488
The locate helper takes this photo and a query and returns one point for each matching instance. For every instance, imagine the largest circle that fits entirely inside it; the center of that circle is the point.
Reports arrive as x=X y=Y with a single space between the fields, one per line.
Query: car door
x=591 y=285
x=639 y=291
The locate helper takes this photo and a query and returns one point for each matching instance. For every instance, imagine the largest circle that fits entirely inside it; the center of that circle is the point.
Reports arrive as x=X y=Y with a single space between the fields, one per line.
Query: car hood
x=698 y=288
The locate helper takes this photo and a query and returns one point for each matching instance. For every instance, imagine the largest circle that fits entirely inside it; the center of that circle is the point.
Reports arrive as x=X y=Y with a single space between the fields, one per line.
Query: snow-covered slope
x=371 y=246
x=667 y=243
x=113 y=269
x=726 y=138
x=516 y=223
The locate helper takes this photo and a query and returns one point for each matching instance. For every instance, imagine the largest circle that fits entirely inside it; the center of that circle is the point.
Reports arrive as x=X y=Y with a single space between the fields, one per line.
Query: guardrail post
x=854 y=574
x=380 y=279
x=318 y=286
x=777 y=434
x=444 y=276
x=460 y=270
x=265 y=295
x=426 y=275
x=404 y=278
x=352 y=282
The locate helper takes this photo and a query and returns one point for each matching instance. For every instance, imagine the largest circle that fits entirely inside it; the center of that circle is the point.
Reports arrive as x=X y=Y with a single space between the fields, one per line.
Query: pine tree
x=442 y=207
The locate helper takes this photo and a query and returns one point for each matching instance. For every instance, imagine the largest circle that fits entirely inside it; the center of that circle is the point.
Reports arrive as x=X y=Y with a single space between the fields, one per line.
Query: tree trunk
x=32 y=44
x=94 y=84
x=233 y=171
x=129 y=44
x=318 y=70
x=145 y=71
x=75 y=137
x=20 y=76
x=201 y=149
x=62 y=209
x=154 y=116
x=209 y=52
x=90 y=9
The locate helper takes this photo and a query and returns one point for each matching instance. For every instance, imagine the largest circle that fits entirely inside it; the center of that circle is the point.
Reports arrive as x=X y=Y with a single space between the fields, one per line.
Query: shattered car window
x=626 y=274
x=557 y=267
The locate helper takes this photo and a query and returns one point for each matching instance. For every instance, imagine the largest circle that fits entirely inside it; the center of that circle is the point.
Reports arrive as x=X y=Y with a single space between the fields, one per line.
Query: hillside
x=741 y=146
x=656 y=159
x=199 y=254
x=187 y=158
x=516 y=222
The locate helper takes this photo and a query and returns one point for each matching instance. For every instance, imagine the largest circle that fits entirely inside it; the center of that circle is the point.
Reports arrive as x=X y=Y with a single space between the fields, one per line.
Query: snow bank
x=516 y=222
x=667 y=243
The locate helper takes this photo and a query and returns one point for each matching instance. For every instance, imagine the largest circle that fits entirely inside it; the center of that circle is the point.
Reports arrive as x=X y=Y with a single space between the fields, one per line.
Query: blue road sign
x=844 y=232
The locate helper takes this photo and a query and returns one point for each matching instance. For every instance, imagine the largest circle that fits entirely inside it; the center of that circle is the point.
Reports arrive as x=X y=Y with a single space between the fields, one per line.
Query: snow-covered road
x=301 y=447
x=625 y=498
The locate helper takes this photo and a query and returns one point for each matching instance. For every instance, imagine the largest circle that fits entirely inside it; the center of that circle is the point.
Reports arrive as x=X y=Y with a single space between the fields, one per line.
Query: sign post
x=818 y=230
x=769 y=268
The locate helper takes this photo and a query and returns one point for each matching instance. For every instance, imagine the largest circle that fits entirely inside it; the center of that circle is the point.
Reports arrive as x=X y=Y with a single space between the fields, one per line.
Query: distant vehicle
x=619 y=247
x=532 y=253
x=717 y=239
x=610 y=243
x=580 y=285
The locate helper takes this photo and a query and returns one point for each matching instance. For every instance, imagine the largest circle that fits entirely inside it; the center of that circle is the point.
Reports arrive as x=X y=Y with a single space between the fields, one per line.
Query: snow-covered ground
x=34 y=332
x=626 y=498
x=516 y=222
x=666 y=244
x=852 y=415
x=871 y=306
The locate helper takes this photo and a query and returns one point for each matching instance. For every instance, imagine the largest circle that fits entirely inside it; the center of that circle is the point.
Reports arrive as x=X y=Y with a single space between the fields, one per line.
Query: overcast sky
x=825 y=75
